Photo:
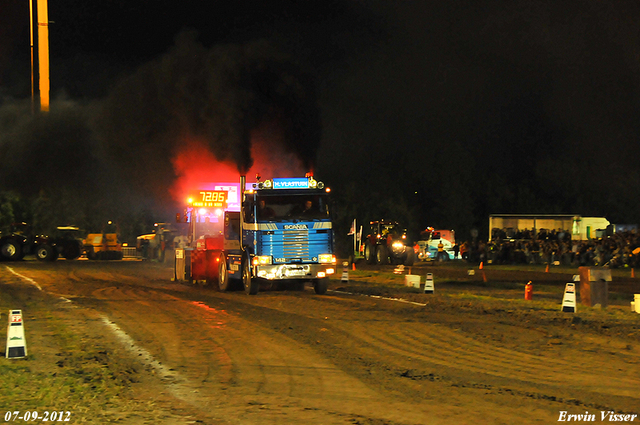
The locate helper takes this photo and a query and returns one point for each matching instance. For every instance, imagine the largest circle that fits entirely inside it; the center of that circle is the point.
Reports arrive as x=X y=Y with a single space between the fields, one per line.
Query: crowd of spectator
x=620 y=249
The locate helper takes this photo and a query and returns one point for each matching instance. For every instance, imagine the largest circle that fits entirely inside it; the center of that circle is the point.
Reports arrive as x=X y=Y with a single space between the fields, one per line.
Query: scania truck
x=283 y=232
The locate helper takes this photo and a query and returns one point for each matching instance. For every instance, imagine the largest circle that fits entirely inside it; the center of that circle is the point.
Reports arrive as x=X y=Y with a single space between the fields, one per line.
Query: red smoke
x=195 y=164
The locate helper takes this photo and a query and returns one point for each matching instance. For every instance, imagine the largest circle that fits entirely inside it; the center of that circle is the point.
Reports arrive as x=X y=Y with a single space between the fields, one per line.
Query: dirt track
x=296 y=357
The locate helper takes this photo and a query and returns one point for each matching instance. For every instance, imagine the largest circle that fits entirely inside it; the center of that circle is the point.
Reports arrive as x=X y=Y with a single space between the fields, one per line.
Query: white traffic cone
x=569 y=298
x=16 y=342
x=428 y=284
x=345 y=272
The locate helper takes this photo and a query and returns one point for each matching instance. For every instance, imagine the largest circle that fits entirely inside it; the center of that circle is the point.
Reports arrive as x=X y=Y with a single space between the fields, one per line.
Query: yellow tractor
x=103 y=246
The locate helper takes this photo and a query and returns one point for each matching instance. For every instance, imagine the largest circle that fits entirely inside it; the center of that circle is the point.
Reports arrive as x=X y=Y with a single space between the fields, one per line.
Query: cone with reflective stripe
x=428 y=284
x=345 y=276
x=345 y=272
x=16 y=342
x=569 y=299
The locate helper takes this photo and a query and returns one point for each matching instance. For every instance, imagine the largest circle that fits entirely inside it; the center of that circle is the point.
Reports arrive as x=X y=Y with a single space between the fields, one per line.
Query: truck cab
x=287 y=231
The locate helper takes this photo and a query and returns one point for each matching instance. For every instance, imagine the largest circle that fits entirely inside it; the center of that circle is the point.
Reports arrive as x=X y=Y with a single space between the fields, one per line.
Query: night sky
x=434 y=113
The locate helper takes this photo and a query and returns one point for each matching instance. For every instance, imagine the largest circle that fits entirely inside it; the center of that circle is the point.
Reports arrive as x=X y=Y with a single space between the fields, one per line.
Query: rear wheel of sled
x=223 y=274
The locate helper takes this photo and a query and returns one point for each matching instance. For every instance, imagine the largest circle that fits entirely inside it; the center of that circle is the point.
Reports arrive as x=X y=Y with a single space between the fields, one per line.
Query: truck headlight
x=327 y=259
x=262 y=260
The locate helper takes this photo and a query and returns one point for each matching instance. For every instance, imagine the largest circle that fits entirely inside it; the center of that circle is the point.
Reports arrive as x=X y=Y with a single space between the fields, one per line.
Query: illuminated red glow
x=195 y=164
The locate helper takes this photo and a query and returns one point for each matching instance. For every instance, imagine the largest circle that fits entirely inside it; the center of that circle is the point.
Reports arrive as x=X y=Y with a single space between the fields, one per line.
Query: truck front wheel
x=251 y=286
x=321 y=286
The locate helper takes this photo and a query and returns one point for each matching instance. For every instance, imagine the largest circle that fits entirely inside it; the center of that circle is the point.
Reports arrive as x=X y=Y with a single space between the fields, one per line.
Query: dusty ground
x=473 y=352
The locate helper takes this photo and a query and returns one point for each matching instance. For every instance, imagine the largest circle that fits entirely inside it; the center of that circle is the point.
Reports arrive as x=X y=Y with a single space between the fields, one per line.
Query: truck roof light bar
x=289 y=183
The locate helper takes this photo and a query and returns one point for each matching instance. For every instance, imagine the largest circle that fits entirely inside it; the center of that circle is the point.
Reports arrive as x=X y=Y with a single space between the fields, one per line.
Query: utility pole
x=43 y=54
x=33 y=90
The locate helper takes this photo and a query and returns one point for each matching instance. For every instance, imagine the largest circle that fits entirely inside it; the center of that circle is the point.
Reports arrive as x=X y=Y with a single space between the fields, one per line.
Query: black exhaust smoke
x=222 y=97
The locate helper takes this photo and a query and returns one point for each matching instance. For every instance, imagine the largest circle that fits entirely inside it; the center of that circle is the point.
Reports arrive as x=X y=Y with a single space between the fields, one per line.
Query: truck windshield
x=290 y=207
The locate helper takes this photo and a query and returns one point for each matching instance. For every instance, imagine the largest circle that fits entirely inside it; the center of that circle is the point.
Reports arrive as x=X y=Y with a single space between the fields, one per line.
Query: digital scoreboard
x=209 y=198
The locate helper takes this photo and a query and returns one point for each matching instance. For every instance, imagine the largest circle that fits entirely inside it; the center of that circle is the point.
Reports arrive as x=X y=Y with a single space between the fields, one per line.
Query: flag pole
x=355 y=248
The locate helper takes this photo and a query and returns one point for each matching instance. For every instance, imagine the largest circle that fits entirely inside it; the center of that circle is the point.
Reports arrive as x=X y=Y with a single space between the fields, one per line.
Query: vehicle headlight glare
x=262 y=260
x=327 y=258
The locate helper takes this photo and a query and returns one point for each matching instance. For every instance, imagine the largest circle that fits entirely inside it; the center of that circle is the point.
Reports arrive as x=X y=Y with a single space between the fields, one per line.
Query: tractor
x=386 y=243
x=19 y=241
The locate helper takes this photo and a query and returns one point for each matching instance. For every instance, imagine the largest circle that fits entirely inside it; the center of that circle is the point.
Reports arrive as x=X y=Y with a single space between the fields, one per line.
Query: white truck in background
x=430 y=238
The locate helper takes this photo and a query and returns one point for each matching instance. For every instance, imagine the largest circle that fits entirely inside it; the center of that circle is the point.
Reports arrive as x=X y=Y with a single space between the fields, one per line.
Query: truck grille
x=296 y=243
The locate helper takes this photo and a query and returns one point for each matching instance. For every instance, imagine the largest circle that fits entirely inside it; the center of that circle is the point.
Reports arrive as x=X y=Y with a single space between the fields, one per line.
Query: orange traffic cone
x=481 y=265
x=353 y=266
x=547 y=270
x=528 y=291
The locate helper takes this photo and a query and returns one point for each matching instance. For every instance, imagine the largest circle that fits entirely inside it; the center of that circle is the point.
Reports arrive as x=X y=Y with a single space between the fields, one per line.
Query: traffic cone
x=345 y=272
x=528 y=291
x=547 y=269
x=16 y=342
x=481 y=265
x=345 y=275
x=428 y=284
x=353 y=266
x=569 y=298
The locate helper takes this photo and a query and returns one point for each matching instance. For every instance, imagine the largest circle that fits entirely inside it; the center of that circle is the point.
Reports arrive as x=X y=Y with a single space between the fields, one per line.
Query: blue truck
x=282 y=233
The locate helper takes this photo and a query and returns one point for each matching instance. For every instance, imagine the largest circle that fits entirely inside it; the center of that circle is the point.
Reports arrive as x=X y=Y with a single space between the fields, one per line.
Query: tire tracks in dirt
x=294 y=357
x=238 y=367
x=438 y=352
